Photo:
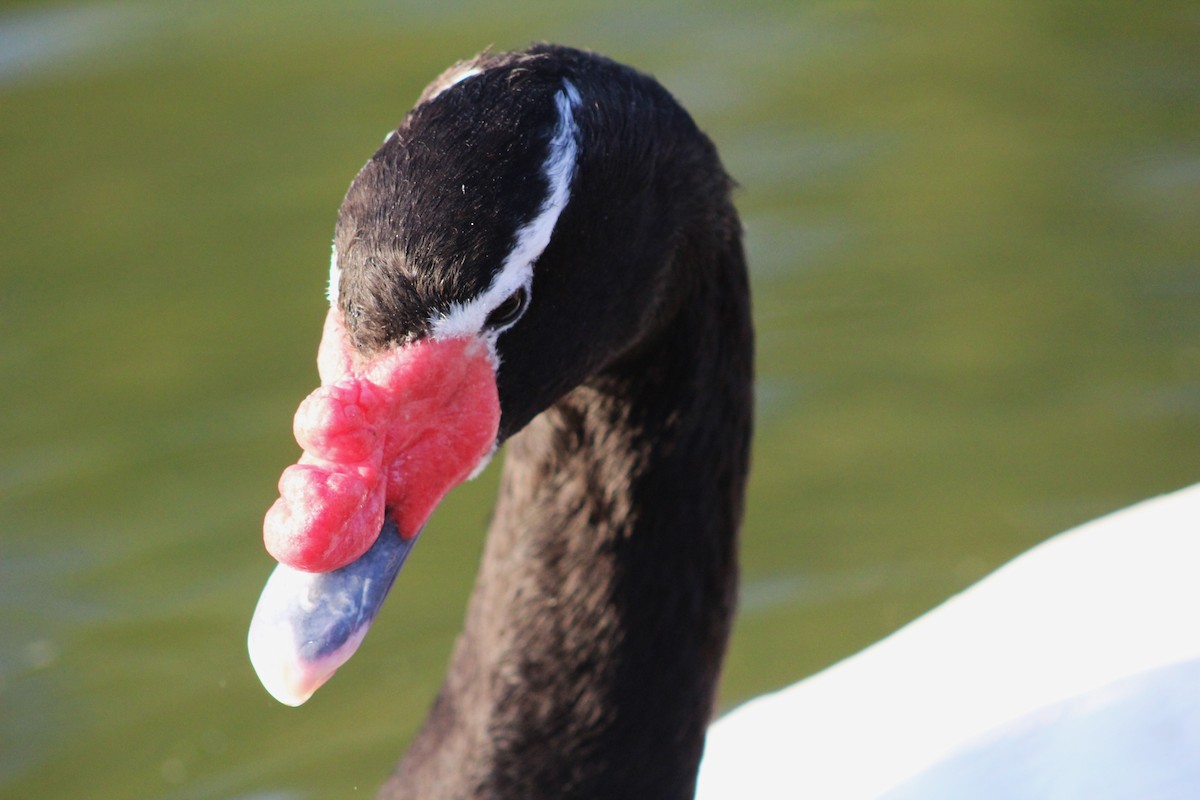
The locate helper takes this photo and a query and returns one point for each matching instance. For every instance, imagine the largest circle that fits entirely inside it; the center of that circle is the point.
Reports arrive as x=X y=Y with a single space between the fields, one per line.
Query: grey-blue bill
x=308 y=624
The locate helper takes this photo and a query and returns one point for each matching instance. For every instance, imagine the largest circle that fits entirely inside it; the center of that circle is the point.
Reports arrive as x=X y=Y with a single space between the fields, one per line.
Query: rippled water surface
x=976 y=261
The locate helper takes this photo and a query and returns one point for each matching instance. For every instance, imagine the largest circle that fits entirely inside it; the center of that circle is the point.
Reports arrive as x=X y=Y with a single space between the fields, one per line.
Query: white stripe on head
x=335 y=278
x=532 y=238
x=452 y=79
x=455 y=78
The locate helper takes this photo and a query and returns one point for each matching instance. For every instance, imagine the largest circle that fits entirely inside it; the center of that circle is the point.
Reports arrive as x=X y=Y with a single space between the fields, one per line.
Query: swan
x=1073 y=671
x=544 y=253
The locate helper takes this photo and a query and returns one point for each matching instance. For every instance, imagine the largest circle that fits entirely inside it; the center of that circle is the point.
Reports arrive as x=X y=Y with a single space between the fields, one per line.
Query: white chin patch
x=483 y=462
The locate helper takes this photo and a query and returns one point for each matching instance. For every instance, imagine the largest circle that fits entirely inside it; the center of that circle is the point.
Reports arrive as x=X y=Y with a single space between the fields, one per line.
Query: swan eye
x=509 y=311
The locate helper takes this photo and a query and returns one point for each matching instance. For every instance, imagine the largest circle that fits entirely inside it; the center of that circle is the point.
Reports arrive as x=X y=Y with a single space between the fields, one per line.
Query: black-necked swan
x=545 y=253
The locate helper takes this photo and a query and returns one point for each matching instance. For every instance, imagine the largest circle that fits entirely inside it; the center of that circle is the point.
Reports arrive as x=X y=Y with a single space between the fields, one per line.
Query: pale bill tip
x=306 y=625
x=284 y=672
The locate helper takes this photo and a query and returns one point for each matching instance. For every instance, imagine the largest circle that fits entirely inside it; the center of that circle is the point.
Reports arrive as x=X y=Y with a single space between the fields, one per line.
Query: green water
x=975 y=236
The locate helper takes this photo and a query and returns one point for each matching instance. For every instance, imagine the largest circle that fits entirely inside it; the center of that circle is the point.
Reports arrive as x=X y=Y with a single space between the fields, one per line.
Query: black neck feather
x=594 y=638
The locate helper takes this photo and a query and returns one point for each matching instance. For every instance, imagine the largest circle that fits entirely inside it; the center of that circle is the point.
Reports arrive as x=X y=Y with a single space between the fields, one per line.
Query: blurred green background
x=975 y=240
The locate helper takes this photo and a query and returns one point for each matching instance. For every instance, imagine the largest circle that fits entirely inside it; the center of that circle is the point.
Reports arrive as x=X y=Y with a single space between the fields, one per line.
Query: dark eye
x=509 y=311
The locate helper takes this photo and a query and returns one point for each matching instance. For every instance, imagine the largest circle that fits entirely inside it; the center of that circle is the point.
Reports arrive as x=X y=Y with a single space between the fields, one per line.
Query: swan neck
x=594 y=637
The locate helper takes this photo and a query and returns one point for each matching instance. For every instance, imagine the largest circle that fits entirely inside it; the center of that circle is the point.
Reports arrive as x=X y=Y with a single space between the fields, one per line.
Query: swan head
x=517 y=234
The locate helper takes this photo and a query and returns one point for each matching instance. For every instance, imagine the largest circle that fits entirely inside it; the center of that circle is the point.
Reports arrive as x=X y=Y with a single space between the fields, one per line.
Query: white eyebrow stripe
x=533 y=237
